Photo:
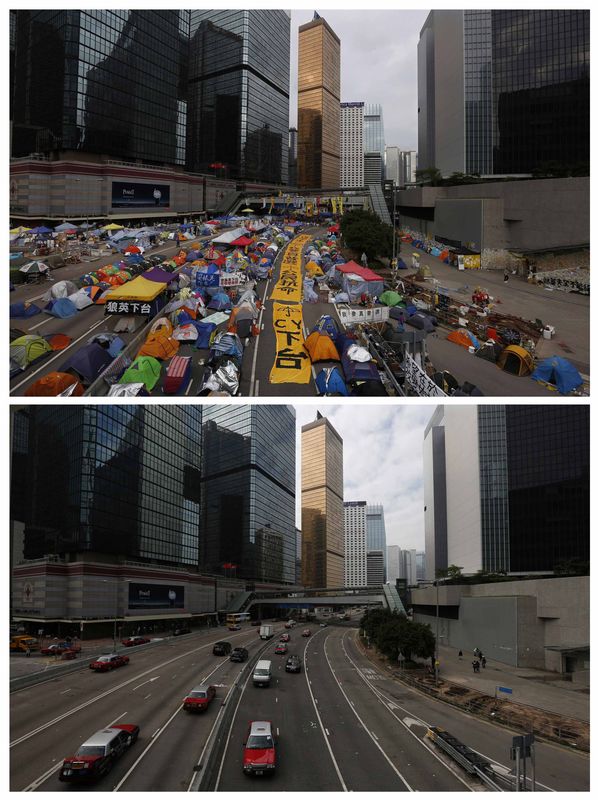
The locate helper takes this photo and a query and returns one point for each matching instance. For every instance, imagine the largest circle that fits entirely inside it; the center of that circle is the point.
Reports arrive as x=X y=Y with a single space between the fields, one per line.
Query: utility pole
x=437 y=634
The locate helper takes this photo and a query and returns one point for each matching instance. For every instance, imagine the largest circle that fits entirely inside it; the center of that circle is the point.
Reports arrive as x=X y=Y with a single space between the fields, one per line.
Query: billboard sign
x=154 y=595
x=140 y=195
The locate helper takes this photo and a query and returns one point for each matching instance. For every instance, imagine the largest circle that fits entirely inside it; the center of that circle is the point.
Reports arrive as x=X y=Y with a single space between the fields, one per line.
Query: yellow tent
x=313 y=269
x=138 y=289
x=20 y=229
x=113 y=227
x=516 y=360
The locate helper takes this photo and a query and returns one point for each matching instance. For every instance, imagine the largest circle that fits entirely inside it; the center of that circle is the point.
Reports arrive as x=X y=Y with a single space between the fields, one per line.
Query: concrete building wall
x=393 y=554
x=449 y=120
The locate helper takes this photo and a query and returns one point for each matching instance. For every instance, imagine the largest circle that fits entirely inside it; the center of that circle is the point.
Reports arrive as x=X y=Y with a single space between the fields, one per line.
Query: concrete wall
x=449 y=120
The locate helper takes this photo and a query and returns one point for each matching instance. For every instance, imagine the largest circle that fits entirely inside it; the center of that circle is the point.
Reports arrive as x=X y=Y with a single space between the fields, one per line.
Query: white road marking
x=144 y=682
x=147 y=695
x=39 y=324
x=42 y=778
x=257 y=341
x=327 y=731
x=66 y=690
x=155 y=732
x=124 y=714
x=189 y=387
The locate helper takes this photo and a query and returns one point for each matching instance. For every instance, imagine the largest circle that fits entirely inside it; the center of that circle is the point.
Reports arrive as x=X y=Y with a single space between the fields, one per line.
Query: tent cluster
x=322 y=261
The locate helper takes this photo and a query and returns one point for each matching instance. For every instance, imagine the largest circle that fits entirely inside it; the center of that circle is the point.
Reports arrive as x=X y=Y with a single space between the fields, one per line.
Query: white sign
x=354 y=316
x=231 y=279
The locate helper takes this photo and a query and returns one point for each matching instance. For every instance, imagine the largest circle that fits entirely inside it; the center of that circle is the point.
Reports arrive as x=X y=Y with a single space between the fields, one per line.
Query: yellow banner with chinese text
x=288 y=286
x=292 y=364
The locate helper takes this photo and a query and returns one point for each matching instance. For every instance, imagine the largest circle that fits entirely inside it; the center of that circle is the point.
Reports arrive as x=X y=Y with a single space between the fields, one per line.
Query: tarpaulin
x=288 y=286
x=138 y=289
x=292 y=364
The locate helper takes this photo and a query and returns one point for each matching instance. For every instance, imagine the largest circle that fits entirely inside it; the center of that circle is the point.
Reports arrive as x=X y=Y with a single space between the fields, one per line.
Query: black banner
x=140 y=195
x=153 y=595
x=127 y=307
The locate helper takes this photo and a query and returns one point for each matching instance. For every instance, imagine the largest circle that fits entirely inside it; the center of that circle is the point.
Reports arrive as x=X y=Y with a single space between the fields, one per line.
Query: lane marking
x=144 y=682
x=257 y=341
x=147 y=695
x=39 y=324
x=66 y=690
x=189 y=387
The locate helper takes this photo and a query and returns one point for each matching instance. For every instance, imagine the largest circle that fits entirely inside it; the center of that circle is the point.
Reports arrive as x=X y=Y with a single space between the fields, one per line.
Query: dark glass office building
x=504 y=92
x=248 y=492
x=102 y=82
x=122 y=481
x=238 y=84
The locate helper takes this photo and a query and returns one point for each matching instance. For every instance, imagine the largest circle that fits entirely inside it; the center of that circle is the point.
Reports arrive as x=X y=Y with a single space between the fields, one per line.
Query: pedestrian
x=28 y=652
x=506 y=275
x=364 y=259
x=460 y=653
x=483 y=662
x=476 y=666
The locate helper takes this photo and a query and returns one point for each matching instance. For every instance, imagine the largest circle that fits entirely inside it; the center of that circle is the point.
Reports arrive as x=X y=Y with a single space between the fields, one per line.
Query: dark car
x=256 y=622
x=239 y=654
x=180 y=630
x=281 y=649
x=293 y=664
x=222 y=648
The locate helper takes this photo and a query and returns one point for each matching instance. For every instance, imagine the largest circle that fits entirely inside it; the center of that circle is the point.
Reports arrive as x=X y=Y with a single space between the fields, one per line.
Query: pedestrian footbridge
x=385 y=596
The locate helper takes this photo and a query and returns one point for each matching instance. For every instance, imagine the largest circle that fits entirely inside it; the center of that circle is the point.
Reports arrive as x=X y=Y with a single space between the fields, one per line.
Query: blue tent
x=205 y=330
x=61 y=307
x=88 y=362
x=560 y=372
x=193 y=255
x=327 y=325
x=401 y=264
x=220 y=301
x=24 y=310
x=329 y=381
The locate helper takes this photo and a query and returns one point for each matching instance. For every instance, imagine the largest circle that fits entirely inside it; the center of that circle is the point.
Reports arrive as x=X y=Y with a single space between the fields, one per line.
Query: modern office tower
x=238 y=88
x=393 y=554
x=293 y=157
x=248 y=492
x=352 y=145
x=116 y=481
x=83 y=82
x=322 y=513
x=408 y=567
x=373 y=143
x=376 y=531
x=421 y=565
x=391 y=164
x=297 y=556
x=319 y=91
x=504 y=92
x=407 y=167
x=506 y=488
x=355 y=543
x=375 y=568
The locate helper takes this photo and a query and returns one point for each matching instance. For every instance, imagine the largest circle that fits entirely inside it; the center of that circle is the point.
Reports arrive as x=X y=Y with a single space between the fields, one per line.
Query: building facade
x=375 y=567
x=292 y=156
x=376 y=531
x=393 y=554
x=322 y=512
x=355 y=543
x=506 y=488
x=352 y=146
x=319 y=87
x=373 y=143
x=238 y=95
x=248 y=492
x=504 y=92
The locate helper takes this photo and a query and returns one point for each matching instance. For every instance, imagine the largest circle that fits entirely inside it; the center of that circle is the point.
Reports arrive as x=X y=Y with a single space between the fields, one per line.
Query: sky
x=382 y=461
x=378 y=64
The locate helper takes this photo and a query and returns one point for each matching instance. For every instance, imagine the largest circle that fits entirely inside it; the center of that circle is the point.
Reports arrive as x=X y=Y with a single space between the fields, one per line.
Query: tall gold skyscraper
x=322 y=510
x=318 y=137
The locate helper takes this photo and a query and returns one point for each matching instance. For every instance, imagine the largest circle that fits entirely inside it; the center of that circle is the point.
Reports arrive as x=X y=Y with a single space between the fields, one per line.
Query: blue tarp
x=20 y=310
x=560 y=372
x=205 y=330
x=330 y=381
x=62 y=308
x=220 y=301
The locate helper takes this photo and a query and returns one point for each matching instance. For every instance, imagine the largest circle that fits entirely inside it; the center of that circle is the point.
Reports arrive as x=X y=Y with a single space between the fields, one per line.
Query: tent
x=128 y=390
x=16 y=333
x=162 y=324
x=27 y=349
x=53 y=384
x=421 y=321
x=109 y=341
x=24 y=310
x=327 y=325
x=242 y=241
x=81 y=299
x=61 y=307
x=89 y=361
x=321 y=347
x=144 y=369
x=159 y=275
x=329 y=381
x=463 y=337
x=139 y=289
x=178 y=375
x=390 y=298
x=220 y=301
x=225 y=343
x=559 y=372
x=358 y=280
x=516 y=360
x=93 y=292
x=59 y=341
x=230 y=236
x=489 y=351
x=63 y=289
x=159 y=345
x=423 y=273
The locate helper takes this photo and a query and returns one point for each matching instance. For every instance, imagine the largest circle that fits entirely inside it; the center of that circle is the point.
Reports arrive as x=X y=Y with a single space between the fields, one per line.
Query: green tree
x=430 y=176
x=364 y=231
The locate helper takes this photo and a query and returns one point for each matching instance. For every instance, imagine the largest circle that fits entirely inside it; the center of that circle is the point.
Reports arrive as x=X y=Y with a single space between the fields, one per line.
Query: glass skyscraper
x=123 y=481
x=239 y=67
x=376 y=531
x=248 y=492
x=504 y=92
x=103 y=82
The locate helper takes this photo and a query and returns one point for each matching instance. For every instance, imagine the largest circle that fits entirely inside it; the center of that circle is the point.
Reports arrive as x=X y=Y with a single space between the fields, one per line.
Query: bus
x=235 y=619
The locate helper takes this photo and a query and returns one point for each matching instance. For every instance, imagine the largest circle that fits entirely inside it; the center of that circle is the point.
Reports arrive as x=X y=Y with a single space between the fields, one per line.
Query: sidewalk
x=531 y=687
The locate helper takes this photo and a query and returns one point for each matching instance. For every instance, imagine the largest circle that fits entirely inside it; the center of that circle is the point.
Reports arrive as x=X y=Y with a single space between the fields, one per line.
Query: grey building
x=373 y=135
x=376 y=531
x=292 y=156
x=506 y=488
x=503 y=92
x=356 y=547
x=375 y=567
x=393 y=554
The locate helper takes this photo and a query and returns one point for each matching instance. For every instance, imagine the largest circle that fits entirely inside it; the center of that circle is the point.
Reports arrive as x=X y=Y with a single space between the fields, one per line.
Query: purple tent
x=88 y=362
x=159 y=275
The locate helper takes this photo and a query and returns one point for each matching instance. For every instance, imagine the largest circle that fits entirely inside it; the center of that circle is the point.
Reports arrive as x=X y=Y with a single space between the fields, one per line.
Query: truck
x=266 y=632
x=23 y=643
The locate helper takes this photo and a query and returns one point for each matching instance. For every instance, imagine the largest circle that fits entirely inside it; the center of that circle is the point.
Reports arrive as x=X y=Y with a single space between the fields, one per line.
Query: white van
x=262 y=673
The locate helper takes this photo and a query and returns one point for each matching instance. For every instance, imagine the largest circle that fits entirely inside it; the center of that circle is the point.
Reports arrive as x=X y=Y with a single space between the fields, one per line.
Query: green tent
x=27 y=348
x=144 y=369
x=390 y=298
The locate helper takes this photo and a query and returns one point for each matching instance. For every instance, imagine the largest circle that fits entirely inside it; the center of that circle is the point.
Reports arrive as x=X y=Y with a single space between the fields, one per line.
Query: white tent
x=230 y=236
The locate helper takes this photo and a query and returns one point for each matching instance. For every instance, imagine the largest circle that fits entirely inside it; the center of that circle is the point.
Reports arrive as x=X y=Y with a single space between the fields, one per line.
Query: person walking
x=460 y=654
x=475 y=665
x=364 y=259
x=506 y=275
x=483 y=662
x=28 y=652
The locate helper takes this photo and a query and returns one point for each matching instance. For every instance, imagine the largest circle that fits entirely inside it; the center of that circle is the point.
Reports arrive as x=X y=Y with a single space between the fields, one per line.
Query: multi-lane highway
x=340 y=724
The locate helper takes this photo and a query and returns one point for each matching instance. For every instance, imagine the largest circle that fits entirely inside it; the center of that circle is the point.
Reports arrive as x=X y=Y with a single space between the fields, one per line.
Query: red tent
x=132 y=248
x=242 y=241
x=363 y=272
x=334 y=229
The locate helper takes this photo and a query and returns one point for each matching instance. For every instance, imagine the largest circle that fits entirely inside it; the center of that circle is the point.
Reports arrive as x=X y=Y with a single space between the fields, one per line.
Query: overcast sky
x=378 y=64
x=382 y=461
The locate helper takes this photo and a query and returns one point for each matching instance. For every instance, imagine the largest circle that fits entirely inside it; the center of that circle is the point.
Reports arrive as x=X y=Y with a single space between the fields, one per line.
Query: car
x=135 y=640
x=255 y=622
x=96 y=756
x=239 y=654
x=285 y=637
x=259 y=749
x=59 y=649
x=293 y=664
x=290 y=624
x=234 y=627
x=323 y=624
x=111 y=661
x=199 y=698
x=180 y=630
x=281 y=649
x=306 y=632
x=222 y=648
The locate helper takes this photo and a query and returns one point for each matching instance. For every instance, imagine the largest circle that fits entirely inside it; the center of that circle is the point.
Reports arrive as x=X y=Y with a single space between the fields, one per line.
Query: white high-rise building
x=352 y=145
x=392 y=164
x=376 y=531
x=355 y=543
x=393 y=552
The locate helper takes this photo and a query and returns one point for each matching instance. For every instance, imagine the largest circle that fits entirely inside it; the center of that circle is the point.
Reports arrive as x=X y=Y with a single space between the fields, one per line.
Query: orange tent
x=460 y=337
x=321 y=348
x=59 y=341
x=52 y=384
x=159 y=345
